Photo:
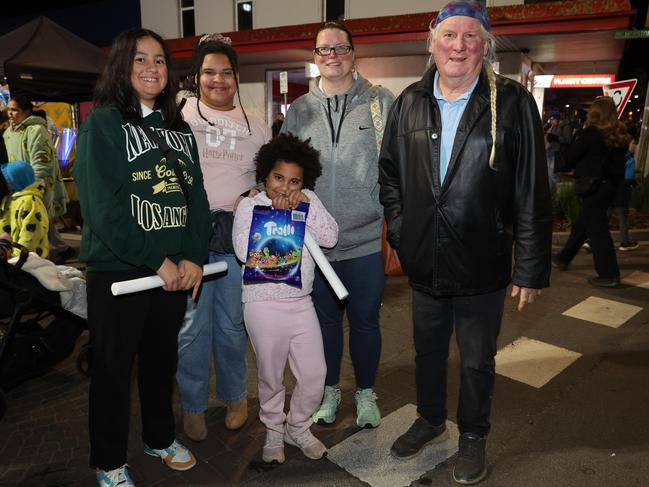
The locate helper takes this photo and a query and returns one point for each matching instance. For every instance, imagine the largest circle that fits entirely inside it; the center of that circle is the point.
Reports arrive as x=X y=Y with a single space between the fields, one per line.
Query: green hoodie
x=133 y=208
x=30 y=141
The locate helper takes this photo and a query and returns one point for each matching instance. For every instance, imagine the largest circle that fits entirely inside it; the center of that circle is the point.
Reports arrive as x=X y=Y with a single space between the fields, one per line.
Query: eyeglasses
x=225 y=74
x=340 y=49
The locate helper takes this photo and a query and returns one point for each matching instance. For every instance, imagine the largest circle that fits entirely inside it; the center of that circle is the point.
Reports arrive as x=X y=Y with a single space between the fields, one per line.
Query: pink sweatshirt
x=320 y=224
x=226 y=150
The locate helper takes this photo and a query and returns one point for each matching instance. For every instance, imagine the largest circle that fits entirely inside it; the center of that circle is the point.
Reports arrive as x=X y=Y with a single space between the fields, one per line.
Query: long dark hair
x=202 y=49
x=24 y=103
x=114 y=87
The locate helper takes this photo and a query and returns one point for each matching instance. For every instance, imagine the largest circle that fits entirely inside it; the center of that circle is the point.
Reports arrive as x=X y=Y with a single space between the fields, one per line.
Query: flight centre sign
x=573 y=80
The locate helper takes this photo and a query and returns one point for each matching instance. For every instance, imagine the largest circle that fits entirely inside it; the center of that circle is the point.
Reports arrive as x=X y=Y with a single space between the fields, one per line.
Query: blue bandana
x=466 y=9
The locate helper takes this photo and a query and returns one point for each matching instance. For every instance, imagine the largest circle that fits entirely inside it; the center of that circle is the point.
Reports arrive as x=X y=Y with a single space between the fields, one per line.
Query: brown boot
x=237 y=414
x=194 y=424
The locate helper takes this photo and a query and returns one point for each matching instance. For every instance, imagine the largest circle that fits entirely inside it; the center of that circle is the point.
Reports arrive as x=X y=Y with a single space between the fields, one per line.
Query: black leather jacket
x=458 y=238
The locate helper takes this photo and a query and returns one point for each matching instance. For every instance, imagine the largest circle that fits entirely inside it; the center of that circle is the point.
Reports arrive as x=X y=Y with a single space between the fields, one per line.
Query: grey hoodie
x=341 y=129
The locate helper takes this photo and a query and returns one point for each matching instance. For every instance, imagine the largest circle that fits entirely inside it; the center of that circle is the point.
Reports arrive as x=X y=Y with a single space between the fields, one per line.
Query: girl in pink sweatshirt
x=281 y=319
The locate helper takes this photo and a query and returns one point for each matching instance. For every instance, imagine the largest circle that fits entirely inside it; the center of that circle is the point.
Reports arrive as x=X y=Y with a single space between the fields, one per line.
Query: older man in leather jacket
x=464 y=184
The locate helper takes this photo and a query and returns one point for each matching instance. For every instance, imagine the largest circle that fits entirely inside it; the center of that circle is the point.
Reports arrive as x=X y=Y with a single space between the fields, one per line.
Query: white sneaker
x=312 y=447
x=274 y=447
x=175 y=456
x=117 y=477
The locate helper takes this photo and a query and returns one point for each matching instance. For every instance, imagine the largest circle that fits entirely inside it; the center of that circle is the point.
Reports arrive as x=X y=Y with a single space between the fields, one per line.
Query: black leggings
x=145 y=324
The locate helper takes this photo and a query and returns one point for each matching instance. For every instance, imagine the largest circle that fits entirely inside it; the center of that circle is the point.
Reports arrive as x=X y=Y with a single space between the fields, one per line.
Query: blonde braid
x=492 y=94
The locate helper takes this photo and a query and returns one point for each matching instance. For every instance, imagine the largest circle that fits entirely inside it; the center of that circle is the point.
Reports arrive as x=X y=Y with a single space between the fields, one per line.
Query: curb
x=639 y=234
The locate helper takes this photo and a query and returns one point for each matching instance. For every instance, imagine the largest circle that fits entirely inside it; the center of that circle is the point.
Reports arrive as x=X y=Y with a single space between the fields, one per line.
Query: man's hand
x=527 y=295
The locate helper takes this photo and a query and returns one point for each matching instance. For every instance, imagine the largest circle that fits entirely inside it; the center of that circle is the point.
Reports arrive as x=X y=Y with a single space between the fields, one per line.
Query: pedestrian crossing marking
x=637 y=278
x=366 y=454
x=603 y=311
x=533 y=362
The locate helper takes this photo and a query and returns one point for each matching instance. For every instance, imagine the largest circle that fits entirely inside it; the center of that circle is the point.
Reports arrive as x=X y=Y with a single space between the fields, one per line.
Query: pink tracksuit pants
x=287 y=328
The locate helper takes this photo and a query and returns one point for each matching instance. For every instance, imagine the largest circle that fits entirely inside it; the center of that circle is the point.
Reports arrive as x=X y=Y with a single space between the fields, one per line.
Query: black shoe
x=413 y=441
x=604 y=281
x=624 y=246
x=470 y=467
x=558 y=264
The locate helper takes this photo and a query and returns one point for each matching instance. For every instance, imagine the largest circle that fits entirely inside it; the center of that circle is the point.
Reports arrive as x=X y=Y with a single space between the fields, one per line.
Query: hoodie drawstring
x=335 y=136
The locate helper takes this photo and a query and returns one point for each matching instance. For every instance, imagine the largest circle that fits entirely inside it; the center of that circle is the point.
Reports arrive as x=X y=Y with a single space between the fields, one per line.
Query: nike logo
x=363 y=128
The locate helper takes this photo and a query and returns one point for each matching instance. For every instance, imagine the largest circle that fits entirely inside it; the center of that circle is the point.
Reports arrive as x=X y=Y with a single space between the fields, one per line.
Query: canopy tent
x=46 y=62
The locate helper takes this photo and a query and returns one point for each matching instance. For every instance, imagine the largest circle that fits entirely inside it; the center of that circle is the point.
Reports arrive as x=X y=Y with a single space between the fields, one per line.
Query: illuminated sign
x=573 y=80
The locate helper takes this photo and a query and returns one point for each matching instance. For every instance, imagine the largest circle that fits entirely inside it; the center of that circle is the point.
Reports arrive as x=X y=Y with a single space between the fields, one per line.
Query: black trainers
x=624 y=246
x=470 y=467
x=558 y=264
x=604 y=281
x=420 y=434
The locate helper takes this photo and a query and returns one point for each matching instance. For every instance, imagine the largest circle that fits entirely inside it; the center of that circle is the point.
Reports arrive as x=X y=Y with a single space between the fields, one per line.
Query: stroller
x=36 y=332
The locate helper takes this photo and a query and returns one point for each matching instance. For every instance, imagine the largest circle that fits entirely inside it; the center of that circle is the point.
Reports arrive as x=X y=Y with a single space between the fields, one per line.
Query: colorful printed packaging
x=275 y=245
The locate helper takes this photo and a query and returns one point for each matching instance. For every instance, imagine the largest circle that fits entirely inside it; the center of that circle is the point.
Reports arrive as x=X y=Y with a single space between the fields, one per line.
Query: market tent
x=46 y=62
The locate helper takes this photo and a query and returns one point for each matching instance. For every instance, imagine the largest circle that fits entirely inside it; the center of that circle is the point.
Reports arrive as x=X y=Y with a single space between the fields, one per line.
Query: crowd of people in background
x=361 y=159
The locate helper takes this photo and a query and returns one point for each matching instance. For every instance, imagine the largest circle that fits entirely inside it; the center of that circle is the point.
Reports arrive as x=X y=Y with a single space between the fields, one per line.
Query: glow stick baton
x=151 y=282
x=324 y=265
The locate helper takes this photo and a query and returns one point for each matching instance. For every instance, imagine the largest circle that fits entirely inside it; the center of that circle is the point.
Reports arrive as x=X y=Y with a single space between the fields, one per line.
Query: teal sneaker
x=326 y=413
x=367 y=412
x=117 y=477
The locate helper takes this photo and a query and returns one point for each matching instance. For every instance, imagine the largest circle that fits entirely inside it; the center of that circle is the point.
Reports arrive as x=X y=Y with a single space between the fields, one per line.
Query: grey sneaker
x=312 y=447
x=326 y=413
x=274 y=447
x=367 y=412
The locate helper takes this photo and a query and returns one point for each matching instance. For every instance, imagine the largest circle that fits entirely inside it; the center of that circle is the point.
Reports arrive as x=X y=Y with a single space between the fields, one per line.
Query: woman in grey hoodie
x=336 y=116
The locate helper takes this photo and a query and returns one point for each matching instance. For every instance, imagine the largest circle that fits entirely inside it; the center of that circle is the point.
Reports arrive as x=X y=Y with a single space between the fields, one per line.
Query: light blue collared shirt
x=451 y=113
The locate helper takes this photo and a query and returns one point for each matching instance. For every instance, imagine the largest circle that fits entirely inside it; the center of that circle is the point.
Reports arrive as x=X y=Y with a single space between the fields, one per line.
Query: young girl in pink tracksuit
x=281 y=319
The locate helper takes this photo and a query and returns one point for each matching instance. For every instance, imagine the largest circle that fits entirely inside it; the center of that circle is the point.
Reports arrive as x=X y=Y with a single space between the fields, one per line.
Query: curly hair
x=114 y=85
x=289 y=148
x=603 y=115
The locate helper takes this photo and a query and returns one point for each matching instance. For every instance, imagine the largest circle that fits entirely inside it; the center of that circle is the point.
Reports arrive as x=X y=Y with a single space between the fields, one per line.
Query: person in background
x=469 y=212
x=623 y=196
x=598 y=158
x=277 y=124
x=22 y=212
x=28 y=139
x=280 y=318
x=338 y=118
x=145 y=213
x=228 y=140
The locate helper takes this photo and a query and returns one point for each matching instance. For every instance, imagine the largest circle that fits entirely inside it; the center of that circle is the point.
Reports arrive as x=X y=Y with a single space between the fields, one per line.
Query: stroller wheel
x=3 y=404
x=84 y=360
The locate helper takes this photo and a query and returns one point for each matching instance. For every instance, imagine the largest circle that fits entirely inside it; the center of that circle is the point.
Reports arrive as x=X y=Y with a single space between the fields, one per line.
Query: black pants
x=477 y=323
x=145 y=324
x=592 y=224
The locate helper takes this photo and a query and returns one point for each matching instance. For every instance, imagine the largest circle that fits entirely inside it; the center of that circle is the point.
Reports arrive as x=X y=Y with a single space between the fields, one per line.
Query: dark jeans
x=364 y=279
x=145 y=324
x=592 y=224
x=476 y=320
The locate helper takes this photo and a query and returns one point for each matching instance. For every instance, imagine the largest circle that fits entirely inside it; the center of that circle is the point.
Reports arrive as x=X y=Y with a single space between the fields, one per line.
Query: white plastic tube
x=151 y=282
x=324 y=265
